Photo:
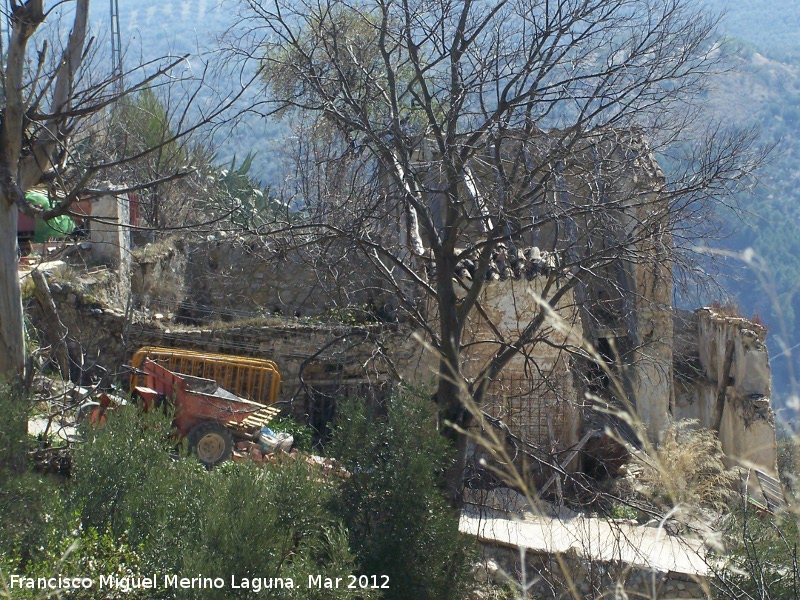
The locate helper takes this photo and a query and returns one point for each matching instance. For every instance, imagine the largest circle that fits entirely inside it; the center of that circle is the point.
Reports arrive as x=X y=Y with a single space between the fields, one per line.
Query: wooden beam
x=569 y=458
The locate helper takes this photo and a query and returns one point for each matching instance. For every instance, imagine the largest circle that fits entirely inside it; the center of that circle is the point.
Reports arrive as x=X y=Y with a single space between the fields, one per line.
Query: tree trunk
x=452 y=388
x=12 y=339
x=58 y=333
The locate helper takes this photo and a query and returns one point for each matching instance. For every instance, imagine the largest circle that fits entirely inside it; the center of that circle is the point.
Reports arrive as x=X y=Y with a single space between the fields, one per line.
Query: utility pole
x=116 y=46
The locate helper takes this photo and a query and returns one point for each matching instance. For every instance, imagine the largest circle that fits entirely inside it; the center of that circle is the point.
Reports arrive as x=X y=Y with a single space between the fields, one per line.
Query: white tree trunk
x=19 y=175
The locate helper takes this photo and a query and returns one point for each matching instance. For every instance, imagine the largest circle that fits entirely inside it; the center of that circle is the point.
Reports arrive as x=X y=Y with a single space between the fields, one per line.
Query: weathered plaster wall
x=535 y=394
x=736 y=400
x=644 y=282
x=626 y=301
x=651 y=375
x=111 y=239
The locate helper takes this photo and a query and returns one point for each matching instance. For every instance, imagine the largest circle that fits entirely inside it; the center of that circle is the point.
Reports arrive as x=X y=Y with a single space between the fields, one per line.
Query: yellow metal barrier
x=253 y=378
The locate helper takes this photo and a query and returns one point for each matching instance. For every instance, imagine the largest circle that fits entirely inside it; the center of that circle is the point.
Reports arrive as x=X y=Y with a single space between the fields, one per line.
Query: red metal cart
x=205 y=413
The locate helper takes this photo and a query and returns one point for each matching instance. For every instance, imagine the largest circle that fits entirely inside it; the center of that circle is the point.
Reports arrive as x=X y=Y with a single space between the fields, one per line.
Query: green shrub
x=32 y=513
x=268 y=522
x=134 y=506
x=762 y=556
x=72 y=552
x=398 y=521
x=303 y=434
x=789 y=461
x=14 y=411
x=123 y=477
x=238 y=520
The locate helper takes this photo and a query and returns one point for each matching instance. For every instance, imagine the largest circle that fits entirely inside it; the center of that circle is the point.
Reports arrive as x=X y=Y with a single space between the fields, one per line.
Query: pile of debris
x=247 y=450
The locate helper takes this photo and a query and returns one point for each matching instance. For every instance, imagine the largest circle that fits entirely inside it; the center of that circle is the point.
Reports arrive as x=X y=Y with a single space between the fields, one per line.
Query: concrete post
x=110 y=235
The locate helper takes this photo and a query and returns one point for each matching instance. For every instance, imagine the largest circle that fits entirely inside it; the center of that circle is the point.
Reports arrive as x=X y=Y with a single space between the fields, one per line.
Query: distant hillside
x=765 y=90
x=155 y=28
x=771 y=26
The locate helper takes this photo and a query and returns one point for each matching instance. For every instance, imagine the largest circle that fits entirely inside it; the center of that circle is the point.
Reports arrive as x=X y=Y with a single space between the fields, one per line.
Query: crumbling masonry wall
x=730 y=392
x=623 y=303
x=599 y=206
x=535 y=394
x=230 y=279
x=319 y=363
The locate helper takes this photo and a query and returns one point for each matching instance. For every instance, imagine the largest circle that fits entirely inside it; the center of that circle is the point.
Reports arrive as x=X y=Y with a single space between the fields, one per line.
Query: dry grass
x=756 y=318
x=687 y=469
x=729 y=309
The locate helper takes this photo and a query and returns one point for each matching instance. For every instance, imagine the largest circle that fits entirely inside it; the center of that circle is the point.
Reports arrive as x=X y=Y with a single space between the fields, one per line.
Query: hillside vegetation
x=764 y=90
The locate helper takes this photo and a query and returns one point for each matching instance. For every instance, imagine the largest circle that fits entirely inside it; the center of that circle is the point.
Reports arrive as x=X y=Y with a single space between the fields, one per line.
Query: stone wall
x=651 y=369
x=731 y=391
x=319 y=363
x=96 y=328
x=535 y=394
x=629 y=300
x=229 y=279
x=158 y=272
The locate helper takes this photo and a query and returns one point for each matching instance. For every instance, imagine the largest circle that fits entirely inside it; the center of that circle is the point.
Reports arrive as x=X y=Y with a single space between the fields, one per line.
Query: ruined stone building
x=664 y=364
x=600 y=209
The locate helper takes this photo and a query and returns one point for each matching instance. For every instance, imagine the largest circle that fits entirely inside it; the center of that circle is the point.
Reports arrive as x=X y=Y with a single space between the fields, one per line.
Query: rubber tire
x=93 y=413
x=86 y=409
x=211 y=443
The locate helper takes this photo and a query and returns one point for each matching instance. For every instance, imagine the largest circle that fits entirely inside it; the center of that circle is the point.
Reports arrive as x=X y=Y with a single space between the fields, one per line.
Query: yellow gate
x=253 y=378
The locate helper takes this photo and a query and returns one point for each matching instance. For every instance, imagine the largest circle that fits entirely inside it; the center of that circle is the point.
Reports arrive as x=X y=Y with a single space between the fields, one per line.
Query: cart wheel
x=211 y=442
x=94 y=413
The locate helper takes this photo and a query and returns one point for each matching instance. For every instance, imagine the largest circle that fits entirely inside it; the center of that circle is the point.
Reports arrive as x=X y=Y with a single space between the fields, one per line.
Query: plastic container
x=271 y=441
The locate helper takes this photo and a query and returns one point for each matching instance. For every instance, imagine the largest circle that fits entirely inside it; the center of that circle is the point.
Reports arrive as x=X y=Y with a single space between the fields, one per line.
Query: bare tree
x=55 y=103
x=456 y=143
